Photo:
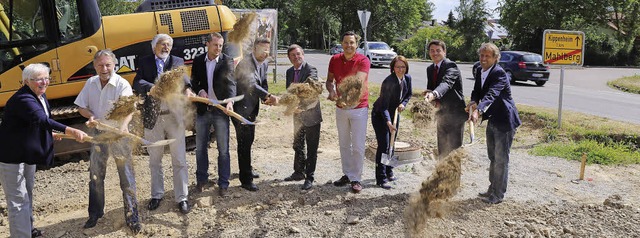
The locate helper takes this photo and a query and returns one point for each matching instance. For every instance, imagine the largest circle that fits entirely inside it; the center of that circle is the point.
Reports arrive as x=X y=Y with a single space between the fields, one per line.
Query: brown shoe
x=200 y=187
x=356 y=187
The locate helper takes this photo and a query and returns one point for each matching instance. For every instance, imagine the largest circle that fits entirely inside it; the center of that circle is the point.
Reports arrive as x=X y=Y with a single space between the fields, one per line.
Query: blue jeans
x=121 y=152
x=220 y=122
x=498 y=148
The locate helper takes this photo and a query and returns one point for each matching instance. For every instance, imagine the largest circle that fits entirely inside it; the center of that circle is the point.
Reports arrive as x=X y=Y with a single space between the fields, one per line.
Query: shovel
x=217 y=104
x=472 y=132
x=389 y=158
x=145 y=143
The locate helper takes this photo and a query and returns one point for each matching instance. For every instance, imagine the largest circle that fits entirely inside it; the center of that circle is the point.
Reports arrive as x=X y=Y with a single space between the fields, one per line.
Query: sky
x=444 y=6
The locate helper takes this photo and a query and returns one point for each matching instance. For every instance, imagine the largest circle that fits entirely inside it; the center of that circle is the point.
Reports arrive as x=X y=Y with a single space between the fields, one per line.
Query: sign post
x=562 y=48
x=364 y=16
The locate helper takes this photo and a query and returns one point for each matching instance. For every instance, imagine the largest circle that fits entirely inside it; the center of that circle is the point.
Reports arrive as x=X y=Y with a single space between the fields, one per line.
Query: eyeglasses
x=40 y=80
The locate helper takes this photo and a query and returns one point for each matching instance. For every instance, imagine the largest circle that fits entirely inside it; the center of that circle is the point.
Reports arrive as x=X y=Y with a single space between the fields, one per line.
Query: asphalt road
x=585 y=89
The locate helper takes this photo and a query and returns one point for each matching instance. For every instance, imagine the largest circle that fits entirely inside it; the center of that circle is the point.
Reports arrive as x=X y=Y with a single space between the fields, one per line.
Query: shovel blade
x=157 y=143
x=389 y=160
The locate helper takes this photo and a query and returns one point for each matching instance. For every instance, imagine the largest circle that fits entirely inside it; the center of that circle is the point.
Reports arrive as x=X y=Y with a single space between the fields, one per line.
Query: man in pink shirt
x=351 y=122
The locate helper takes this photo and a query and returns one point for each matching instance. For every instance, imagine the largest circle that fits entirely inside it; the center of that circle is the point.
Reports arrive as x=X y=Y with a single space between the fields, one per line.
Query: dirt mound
x=122 y=107
x=424 y=113
x=349 y=92
x=301 y=96
x=431 y=200
x=241 y=29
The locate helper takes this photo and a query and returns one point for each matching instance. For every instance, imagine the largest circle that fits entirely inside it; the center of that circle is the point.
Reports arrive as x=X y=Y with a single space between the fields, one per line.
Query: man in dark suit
x=212 y=77
x=491 y=99
x=251 y=79
x=444 y=87
x=306 y=124
x=159 y=120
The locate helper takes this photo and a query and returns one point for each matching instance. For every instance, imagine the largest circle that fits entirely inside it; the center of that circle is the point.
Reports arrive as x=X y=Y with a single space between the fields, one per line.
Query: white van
x=379 y=52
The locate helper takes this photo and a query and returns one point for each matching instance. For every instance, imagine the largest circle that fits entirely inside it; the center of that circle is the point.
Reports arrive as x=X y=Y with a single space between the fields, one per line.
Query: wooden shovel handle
x=118 y=131
x=224 y=109
x=199 y=99
x=65 y=136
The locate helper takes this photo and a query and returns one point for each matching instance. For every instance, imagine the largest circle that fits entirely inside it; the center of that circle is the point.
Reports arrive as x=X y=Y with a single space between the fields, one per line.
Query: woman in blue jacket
x=394 y=94
x=26 y=139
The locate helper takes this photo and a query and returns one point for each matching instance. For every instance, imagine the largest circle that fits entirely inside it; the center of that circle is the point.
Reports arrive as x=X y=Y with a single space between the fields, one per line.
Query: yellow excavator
x=65 y=34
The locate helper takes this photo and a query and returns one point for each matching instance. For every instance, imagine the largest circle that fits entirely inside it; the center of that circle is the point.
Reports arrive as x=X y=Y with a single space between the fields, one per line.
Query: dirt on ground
x=543 y=197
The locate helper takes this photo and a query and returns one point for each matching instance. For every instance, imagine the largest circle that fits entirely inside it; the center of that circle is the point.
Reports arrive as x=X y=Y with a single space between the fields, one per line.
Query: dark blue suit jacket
x=224 y=86
x=25 y=132
x=448 y=84
x=390 y=97
x=494 y=99
x=146 y=75
x=312 y=116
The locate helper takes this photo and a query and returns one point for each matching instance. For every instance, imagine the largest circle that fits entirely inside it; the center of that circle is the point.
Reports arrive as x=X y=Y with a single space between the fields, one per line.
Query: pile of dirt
x=431 y=201
x=123 y=107
x=169 y=83
x=169 y=88
x=349 y=92
x=241 y=29
x=301 y=96
x=424 y=113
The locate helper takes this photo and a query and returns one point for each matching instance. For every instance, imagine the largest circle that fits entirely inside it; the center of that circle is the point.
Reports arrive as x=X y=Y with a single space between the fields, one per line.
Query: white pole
x=560 y=97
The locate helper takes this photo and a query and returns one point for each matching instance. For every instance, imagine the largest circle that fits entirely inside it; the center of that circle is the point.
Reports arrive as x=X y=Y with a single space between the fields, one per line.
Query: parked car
x=379 y=52
x=522 y=66
x=336 y=49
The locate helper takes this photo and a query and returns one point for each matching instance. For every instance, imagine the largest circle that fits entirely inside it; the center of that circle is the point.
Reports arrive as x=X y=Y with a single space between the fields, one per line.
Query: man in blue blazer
x=212 y=77
x=251 y=81
x=491 y=99
x=306 y=124
x=26 y=139
x=444 y=83
x=159 y=121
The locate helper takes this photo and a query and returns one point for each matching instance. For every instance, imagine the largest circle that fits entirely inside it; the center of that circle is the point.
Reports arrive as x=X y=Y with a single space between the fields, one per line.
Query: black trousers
x=305 y=163
x=245 y=134
x=450 y=132
x=383 y=137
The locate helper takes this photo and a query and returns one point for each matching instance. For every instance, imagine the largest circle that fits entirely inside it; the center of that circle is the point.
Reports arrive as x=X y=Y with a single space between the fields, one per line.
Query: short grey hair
x=210 y=36
x=491 y=48
x=32 y=70
x=159 y=37
x=105 y=52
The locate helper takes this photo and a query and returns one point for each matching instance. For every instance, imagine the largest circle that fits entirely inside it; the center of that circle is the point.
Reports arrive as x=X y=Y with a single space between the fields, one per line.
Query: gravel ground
x=542 y=198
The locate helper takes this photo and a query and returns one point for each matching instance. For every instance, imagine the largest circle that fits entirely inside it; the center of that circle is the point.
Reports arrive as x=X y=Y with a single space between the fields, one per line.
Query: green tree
x=611 y=27
x=414 y=47
x=451 y=20
x=117 y=7
x=472 y=15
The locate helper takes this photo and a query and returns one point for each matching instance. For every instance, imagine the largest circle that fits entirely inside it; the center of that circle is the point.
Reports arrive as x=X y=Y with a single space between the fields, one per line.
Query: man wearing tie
x=444 y=87
x=212 y=77
x=306 y=124
x=159 y=120
x=251 y=79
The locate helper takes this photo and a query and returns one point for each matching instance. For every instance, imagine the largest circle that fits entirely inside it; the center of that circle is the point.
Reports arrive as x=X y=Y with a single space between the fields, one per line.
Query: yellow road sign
x=563 y=47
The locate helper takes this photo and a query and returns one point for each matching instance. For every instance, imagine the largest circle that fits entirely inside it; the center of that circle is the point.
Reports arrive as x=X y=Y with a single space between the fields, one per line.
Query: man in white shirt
x=95 y=100
x=212 y=77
